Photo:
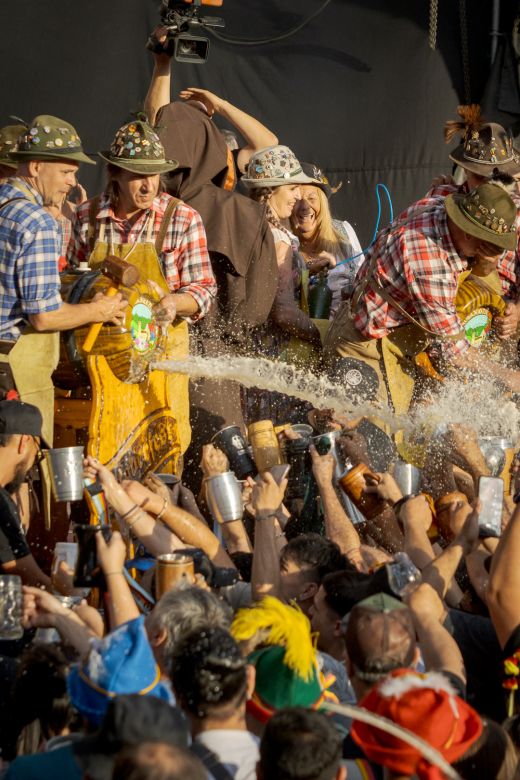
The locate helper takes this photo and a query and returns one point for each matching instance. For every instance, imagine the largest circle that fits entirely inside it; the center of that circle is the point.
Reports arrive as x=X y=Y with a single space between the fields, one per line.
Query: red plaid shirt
x=509 y=264
x=418 y=266
x=184 y=257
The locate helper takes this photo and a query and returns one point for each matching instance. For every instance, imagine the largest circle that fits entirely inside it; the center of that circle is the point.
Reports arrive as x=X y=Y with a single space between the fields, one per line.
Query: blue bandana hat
x=120 y=663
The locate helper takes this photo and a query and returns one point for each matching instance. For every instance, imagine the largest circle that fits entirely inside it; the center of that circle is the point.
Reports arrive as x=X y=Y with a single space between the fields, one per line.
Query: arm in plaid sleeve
x=37 y=274
x=432 y=286
x=195 y=274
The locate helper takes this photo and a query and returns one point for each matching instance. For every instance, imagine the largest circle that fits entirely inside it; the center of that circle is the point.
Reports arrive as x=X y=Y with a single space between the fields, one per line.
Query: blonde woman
x=325 y=242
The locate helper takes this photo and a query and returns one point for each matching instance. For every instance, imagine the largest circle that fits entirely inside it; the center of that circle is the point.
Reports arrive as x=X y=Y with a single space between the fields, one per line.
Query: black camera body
x=182 y=20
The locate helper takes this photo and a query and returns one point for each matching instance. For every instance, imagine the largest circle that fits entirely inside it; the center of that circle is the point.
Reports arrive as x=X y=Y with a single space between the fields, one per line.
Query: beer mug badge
x=143 y=327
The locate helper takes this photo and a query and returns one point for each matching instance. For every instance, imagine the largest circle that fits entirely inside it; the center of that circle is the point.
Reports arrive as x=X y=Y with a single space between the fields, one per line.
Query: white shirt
x=237 y=750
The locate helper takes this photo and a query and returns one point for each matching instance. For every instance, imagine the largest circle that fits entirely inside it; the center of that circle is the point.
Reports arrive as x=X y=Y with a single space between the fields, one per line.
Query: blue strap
x=378 y=219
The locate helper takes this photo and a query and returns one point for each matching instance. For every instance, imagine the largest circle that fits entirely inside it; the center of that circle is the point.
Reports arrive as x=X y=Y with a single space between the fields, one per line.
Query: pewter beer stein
x=11 y=607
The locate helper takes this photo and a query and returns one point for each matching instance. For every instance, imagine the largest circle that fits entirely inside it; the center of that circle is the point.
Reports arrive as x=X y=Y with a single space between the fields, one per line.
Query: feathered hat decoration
x=282 y=625
x=470 y=119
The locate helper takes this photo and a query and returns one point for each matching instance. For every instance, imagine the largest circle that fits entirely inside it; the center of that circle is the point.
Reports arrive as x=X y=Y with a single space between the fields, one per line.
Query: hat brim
x=484 y=169
x=55 y=156
x=300 y=178
x=503 y=240
x=144 y=167
x=8 y=163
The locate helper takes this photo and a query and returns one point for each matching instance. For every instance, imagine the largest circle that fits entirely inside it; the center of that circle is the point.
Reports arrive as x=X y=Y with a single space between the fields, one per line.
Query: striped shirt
x=418 y=265
x=29 y=251
x=184 y=257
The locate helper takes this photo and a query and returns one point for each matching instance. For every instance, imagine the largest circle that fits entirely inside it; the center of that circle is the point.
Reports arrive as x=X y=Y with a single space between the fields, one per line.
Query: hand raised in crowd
x=267 y=495
x=94 y=469
x=416 y=510
x=458 y=512
x=323 y=420
x=213 y=461
x=322 y=467
x=143 y=496
x=468 y=536
x=384 y=486
x=506 y=326
x=156 y=485
x=460 y=444
x=212 y=102
x=353 y=446
x=106 y=308
x=40 y=608
x=112 y=554
x=425 y=603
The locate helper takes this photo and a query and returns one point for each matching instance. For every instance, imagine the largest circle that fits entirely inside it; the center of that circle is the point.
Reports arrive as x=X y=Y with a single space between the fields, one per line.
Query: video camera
x=182 y=20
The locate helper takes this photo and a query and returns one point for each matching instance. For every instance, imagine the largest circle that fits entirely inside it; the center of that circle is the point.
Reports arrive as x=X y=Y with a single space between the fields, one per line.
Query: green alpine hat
x=9 y=136
x=50 y=138
x=137 y=148
x=487 y=212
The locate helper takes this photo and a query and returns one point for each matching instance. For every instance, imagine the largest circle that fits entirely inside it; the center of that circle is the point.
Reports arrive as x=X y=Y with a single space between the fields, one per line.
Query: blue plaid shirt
x=29 y=252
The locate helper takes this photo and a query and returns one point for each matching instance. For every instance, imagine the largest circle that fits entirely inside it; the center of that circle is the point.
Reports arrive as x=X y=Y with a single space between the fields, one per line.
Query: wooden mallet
x=122 y=274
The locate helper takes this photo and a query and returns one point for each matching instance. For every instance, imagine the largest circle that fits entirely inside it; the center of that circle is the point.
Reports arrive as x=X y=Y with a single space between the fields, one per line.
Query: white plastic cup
x=64 y=551
x=66 y=470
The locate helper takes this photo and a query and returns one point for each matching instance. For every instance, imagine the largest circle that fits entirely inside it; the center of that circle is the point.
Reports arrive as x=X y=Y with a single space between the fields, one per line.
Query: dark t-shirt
x=12 y=540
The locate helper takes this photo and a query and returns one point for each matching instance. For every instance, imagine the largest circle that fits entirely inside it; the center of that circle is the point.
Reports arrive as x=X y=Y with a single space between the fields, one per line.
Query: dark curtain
x=358 y=90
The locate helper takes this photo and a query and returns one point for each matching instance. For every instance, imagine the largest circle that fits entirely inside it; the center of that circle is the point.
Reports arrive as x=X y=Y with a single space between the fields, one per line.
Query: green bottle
x=320 y=298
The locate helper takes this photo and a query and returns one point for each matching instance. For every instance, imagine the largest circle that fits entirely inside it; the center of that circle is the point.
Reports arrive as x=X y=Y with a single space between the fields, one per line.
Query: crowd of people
x=344 y=623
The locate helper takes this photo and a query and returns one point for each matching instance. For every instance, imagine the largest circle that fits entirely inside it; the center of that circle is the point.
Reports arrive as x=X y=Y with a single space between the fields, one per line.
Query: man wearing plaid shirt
x=405 y=296
x=133 y=211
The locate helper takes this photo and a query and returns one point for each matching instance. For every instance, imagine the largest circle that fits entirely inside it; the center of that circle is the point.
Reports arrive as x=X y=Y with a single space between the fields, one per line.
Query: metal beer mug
x=408 y=477
x=224 y=497
x=11 y=607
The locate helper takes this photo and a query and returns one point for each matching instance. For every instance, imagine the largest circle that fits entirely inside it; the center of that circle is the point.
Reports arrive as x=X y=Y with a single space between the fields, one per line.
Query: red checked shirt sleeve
x=187 y=267
x=419 y=267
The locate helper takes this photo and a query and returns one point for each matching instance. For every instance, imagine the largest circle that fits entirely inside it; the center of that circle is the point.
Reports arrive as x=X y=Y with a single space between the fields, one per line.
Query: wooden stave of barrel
x=114 y=342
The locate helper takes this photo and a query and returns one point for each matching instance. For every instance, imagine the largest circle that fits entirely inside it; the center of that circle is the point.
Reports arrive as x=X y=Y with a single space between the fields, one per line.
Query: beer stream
x=476 y=401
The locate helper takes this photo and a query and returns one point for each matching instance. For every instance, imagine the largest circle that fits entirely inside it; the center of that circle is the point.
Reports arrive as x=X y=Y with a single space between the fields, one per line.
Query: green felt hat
x=138 y=149
x=487 y=212
x=49 y=138
x=9 y=136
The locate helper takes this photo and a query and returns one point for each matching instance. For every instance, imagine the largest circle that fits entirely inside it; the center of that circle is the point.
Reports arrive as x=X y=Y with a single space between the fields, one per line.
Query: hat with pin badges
x=274 y=167
x=487 y=212
x=9 y=136
x=137 y=148
x=49 y=138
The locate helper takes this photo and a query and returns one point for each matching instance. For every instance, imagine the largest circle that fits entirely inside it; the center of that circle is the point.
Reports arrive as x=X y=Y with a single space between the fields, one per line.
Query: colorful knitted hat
x=426 y=705
x=487 y=212
x=485 y=145
x=274 y=167
x=120 y=663
x=9 y=136
x=49 y=138
x=287 y=671
x=137 y=148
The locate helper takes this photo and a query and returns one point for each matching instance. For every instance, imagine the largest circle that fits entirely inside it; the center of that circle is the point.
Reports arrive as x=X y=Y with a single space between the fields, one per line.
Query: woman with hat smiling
x=273 y=178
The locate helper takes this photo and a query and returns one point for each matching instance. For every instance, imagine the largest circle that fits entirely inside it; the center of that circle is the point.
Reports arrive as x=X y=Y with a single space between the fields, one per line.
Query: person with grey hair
x=180 y=611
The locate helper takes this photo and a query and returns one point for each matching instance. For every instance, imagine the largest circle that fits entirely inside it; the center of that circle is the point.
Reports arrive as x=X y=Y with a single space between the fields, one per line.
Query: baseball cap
x=379 y=636
x=17 y=417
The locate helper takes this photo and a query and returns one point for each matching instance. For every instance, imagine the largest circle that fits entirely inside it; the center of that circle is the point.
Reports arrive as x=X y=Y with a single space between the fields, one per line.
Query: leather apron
x=145 y=255
x=32 y=361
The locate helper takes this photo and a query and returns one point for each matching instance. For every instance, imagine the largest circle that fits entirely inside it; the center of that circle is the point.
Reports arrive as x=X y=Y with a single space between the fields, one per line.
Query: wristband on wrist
x=265 y=515
x=130 y=511
x=112 y=573
x=163 y=510
x=134 y=521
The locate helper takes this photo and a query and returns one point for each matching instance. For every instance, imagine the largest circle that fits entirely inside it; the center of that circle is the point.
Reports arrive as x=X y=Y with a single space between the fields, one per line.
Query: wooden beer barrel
x=128 y=348
x=476 y=303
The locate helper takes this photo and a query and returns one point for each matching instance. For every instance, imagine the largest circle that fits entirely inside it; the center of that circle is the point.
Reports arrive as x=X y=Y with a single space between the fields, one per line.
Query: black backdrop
x=358 y=90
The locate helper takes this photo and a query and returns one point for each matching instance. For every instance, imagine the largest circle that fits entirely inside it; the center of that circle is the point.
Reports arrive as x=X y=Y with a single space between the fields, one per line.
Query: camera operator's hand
x=111 y=555
x=213 y=461
x=267 y=495
x=158 y=44
x=211 y=101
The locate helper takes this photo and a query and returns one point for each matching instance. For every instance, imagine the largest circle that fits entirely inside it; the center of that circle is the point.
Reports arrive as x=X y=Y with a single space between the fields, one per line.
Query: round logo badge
x=142 y=326
x=477 y=326
x=354 y=377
